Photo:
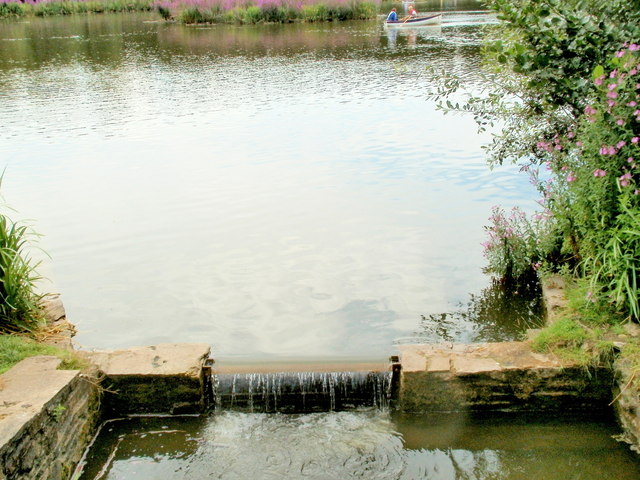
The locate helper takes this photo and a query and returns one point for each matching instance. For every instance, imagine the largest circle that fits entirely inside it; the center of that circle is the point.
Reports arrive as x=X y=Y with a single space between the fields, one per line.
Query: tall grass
x=19 y=304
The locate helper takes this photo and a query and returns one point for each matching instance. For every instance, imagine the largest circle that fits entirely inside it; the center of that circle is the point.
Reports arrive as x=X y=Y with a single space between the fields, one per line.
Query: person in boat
x=393 y=16
x=412 y=13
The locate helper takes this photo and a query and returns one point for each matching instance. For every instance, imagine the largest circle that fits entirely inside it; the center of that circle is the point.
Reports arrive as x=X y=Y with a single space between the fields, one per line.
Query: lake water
x=277 y=191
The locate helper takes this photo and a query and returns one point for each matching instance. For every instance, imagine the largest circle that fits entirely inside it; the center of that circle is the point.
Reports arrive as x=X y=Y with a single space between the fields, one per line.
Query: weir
x=301 y=392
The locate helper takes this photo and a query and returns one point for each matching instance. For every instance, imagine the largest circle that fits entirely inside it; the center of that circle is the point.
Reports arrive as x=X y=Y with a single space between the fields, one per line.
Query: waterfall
x=297 y=392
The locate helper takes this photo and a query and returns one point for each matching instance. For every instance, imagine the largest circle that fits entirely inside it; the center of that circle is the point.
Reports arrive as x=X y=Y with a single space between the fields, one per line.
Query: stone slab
x=473 y=358
x=168 y=359
x=26 y=389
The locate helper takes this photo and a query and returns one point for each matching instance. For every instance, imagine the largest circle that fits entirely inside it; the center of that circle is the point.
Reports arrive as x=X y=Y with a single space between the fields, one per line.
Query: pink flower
x=634 y=140
x=598 y=81
x=620 y=122
x=571 y=177
x=621 y=144
x=611 y=103
x=599 y=172
x=612 y=94
x=625 y=179
x=612 y=86
x=571 y=134
x=632 y=103
x=633 y=47
x=620 y=54
x=607 y=150
x=589 y=110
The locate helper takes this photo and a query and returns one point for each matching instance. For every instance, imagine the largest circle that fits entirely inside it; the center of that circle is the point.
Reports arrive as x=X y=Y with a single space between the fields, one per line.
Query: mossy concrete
x=164 y=378
x=496 y=376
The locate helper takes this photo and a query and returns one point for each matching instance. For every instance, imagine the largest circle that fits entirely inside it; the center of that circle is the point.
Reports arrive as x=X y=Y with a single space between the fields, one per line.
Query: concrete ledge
x=496 y=376
x=164 y=378
x=47 y=417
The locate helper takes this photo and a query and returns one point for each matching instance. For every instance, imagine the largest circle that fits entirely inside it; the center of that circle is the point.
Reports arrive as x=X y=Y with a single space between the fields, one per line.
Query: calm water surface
x=367 y=445
x=275 y=191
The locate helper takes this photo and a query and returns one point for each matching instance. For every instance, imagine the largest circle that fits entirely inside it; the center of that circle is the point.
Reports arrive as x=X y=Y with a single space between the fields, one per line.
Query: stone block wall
x=47 y=444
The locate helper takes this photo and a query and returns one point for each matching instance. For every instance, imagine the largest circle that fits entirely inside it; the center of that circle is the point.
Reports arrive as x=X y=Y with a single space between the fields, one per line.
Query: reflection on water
x=367 y=444
x=498 y=313
x=276 y=190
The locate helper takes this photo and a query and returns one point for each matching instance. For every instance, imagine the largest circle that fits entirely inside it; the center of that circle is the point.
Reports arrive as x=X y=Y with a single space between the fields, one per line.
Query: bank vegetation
x=562 y=91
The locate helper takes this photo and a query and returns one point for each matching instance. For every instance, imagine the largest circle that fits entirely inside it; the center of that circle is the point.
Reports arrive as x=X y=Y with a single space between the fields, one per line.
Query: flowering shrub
x=594 y=195
x=512 y=249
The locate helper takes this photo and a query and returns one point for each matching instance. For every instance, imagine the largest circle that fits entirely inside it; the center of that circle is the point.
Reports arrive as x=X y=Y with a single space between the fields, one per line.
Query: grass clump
x=14 y=348
x=583 y=330
x=19 y=304
x=564 y=333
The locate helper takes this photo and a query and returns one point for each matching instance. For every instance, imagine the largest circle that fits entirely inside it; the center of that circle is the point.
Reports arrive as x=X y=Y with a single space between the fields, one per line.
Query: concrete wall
x=48 y=418
x=163 y=378
x=496 y=376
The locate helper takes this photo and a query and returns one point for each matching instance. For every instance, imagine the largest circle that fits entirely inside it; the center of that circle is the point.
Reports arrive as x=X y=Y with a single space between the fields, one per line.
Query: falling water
x=294 y=392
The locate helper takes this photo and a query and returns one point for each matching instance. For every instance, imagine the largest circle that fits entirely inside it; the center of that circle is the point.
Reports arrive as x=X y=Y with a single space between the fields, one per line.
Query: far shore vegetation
x=204 y=11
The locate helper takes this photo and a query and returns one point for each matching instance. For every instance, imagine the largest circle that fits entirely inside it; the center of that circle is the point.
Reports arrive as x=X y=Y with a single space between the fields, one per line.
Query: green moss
x=14 y=348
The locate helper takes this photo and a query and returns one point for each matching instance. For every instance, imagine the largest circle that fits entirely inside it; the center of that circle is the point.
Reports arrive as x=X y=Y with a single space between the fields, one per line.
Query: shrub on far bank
x=15 y=8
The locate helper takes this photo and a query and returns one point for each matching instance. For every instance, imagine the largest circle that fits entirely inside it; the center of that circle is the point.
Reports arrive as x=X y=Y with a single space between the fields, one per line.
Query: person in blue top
x=393 y=16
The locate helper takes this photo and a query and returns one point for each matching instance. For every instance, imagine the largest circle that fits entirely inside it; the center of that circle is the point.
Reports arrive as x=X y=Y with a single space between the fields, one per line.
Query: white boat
x=415 y=22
